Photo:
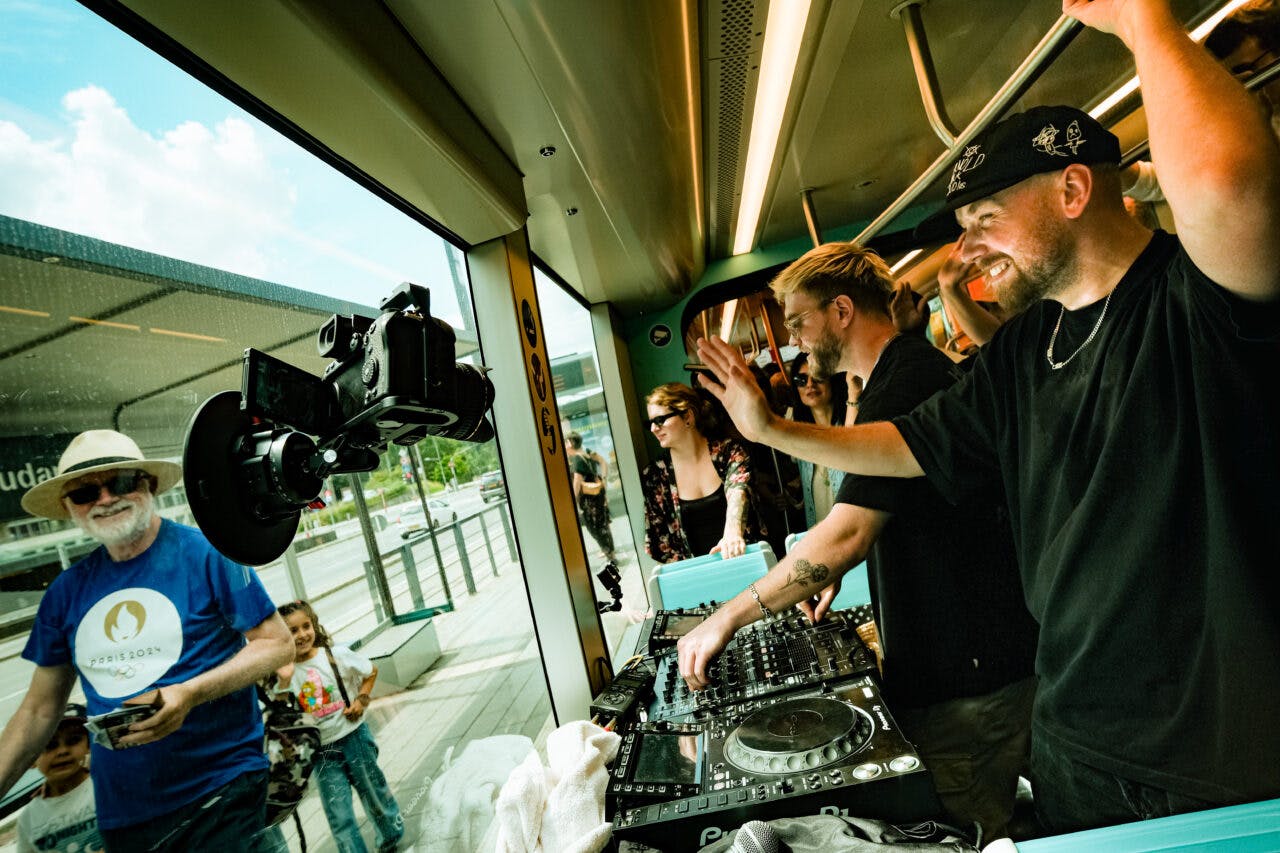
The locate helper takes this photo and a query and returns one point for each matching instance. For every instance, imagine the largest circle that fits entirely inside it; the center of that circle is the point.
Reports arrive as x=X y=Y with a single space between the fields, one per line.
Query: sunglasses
x=659 y=420
x=803 y=379
x=120 y=485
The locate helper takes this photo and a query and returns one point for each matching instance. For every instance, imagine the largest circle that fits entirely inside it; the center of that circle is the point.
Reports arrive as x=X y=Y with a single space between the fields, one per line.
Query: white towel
x=461 y=802
x=560 y=808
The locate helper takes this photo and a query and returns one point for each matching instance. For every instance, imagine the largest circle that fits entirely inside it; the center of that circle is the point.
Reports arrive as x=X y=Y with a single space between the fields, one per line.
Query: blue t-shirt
x=175 y=611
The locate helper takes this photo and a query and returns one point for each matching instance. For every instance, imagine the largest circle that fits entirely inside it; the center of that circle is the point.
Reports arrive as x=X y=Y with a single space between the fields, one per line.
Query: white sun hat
x=90 y=452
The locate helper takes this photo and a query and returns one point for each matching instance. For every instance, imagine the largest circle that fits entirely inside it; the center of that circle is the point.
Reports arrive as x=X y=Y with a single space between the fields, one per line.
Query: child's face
x=65 y=754
x=304 y=633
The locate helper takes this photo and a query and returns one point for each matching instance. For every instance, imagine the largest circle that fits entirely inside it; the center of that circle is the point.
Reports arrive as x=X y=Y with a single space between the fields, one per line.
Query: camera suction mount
x=241 y=524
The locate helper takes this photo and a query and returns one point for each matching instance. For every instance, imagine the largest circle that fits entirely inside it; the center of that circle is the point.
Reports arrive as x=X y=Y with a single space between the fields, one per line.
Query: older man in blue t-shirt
x=156 y=616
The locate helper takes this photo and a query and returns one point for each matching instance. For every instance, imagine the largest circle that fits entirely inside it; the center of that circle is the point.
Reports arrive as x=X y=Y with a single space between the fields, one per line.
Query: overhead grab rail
x=811 y=216
x=926 y=74
x=1043 y=55
x=1262 y=78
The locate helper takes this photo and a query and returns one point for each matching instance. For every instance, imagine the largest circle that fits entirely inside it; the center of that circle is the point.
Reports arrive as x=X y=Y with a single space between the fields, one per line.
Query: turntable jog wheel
x=799 y=734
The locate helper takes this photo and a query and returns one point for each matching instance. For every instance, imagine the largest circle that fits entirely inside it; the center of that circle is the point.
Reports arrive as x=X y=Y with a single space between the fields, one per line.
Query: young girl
x=322 y=679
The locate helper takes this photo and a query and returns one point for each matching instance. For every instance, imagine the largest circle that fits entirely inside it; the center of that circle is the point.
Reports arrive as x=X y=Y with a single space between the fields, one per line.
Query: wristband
x=764 y=611
x=366 y=697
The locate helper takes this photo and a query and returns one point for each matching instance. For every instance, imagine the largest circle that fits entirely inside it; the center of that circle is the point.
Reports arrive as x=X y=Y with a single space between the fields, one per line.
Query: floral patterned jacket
x=665 y=540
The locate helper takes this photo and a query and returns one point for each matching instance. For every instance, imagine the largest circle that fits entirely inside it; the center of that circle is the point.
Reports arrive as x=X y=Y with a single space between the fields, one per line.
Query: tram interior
x=609 y=143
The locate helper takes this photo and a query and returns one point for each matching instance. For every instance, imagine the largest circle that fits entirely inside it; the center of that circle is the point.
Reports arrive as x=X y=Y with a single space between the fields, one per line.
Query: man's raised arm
x=872 y=449
x=1218 y=161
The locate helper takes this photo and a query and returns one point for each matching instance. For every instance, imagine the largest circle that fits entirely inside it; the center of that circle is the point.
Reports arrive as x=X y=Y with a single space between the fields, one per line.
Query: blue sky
x=100 y=136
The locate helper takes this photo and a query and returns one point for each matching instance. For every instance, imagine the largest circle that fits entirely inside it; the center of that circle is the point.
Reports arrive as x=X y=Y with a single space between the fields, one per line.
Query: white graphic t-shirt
x=316 y=689
x=66 y=824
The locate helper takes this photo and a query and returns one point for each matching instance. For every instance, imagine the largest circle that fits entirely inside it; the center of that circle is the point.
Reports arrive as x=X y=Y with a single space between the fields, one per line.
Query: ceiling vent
x=733 y=35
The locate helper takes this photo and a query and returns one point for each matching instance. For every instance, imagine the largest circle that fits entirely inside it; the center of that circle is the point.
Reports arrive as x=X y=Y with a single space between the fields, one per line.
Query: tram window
x=150 y=231
x=575 y=375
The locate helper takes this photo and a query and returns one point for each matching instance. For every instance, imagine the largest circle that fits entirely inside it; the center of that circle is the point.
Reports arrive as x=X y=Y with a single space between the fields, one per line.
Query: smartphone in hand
x=107 y=729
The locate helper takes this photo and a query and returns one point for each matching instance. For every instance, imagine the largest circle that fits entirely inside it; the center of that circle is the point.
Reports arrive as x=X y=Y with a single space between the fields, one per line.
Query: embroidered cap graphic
x=124 y=621
x=970 y=160
x=1047 y=139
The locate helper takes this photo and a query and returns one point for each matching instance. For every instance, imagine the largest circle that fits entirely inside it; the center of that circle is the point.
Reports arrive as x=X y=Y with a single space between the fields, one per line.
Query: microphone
x=756 y=836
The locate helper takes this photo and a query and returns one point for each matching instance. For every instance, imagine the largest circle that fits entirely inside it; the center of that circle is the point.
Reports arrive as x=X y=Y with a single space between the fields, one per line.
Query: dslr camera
x=254 y=459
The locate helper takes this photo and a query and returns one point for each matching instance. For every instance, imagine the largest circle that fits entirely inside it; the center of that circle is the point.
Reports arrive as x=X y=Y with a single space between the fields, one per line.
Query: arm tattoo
x=808 y=574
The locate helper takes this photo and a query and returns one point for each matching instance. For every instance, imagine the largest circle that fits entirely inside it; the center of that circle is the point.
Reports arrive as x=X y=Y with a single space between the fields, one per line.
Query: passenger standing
x=589 y=472
x=1124 y=412
x=62 y=816
x=957 y=639
x=322 y=678
x=697 y=495
x=822 y=401
x=156 y=616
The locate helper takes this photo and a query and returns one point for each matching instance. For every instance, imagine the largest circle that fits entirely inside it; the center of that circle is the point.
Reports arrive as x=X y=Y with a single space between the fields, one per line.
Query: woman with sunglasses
x=697 y=495
x=823 y=402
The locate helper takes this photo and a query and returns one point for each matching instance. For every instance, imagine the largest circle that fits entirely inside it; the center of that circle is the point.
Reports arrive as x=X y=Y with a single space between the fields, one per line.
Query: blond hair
x=838 y=269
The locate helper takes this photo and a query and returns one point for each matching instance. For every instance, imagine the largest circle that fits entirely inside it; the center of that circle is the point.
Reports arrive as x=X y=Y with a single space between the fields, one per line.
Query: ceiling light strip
x=690 y=60
x=1199 y=34
x=127 y=326
x=906 y=259
x=727 y=319
x=26 y=312
x=783 y=34
x=189 y=335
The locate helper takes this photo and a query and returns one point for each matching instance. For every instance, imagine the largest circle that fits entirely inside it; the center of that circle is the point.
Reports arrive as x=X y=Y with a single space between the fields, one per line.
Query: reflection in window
x=149 y=232
x=580 y=397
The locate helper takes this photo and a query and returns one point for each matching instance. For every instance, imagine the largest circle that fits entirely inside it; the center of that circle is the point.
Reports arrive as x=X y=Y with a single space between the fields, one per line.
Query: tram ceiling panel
x=861 y=134
x=592 y=101
x=346 y=75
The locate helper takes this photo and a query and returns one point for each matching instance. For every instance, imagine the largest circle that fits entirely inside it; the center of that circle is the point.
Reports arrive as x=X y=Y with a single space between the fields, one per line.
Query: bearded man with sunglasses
x=155 y=617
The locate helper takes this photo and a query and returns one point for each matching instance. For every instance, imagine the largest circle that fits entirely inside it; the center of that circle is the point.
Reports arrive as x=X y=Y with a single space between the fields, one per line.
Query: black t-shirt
x=944 y=582
x=1142 y=483
x=582 y=464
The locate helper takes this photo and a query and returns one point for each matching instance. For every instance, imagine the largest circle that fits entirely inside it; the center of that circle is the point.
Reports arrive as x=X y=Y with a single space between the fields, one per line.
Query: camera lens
x=474 y=397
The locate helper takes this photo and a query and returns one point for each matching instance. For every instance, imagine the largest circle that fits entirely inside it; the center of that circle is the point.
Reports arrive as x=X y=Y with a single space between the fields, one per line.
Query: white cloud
x=208 y=195
x=202 y=195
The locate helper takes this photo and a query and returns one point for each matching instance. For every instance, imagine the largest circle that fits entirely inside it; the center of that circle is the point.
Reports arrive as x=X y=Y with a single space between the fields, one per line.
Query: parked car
x=413 y=521
x=492 y=486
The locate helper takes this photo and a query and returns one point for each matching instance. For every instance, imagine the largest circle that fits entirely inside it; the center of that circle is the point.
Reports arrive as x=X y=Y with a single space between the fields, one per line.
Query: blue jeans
x=220 y=820
x=1071 y=795
x=352 y=762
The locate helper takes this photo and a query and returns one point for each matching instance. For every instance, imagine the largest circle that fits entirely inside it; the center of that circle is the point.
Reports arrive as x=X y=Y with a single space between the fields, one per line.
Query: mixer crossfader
x=781 y=654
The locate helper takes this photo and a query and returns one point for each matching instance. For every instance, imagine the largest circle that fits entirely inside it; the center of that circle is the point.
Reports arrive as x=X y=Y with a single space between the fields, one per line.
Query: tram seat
x=854 y=588
x=701 y=580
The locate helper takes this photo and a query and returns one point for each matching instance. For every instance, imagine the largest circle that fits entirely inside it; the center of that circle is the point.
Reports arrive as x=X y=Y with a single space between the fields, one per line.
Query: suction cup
x=219 y=502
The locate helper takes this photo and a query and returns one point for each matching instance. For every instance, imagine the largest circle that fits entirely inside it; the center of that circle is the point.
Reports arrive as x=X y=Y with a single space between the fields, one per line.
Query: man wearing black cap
x=1123 y=412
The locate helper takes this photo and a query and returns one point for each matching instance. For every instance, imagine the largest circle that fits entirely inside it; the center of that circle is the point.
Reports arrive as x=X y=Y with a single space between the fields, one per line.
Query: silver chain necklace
x=1048 y=353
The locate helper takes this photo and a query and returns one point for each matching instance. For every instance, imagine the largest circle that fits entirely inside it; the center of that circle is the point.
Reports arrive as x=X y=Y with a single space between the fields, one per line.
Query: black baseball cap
x=74 y=713
x=1042 y=139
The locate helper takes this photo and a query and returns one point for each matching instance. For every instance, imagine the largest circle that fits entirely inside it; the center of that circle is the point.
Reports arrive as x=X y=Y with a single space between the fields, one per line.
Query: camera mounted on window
x=254 y=459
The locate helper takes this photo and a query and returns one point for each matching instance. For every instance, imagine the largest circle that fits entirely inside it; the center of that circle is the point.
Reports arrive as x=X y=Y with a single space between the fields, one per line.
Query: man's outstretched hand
x=735 y=388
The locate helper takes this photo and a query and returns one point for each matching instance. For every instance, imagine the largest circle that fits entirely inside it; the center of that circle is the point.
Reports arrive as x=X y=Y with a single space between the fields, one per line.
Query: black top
x=704 y=520
x=582 y=464
x=944 y=582
x=1142 y=482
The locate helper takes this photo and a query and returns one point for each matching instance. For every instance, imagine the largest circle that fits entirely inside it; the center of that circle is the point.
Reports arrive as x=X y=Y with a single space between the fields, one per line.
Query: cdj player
x=677 y=786
x=783 y=653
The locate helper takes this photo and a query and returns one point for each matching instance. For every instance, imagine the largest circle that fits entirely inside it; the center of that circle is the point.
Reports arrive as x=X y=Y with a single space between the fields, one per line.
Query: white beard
x=120 y=523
